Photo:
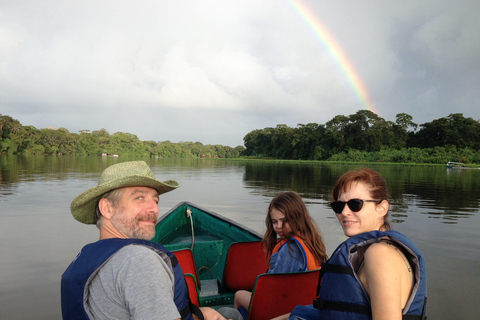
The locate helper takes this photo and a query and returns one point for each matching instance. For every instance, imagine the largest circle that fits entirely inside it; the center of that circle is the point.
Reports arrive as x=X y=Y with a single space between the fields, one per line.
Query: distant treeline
x=360 y=137
x=27 y=140
x=366 y=137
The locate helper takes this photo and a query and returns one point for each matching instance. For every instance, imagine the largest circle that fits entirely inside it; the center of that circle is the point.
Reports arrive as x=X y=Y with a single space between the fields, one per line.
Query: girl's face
x=279 y=222
x=369 y=218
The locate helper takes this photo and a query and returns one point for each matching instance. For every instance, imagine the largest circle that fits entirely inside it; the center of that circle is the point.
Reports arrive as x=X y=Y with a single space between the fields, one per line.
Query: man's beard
x=132 y=228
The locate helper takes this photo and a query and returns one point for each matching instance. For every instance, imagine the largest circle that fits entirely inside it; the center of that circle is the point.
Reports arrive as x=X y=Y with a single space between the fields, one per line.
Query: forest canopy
x=28 y=140
x=363 y=136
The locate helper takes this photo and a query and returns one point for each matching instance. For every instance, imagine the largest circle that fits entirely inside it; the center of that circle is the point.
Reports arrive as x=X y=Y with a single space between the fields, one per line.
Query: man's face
x=136 y=213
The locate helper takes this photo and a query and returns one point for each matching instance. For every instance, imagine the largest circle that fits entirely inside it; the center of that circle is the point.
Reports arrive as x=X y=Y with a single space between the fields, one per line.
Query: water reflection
x=437 y=192
x=433 y=191
x=436 y=207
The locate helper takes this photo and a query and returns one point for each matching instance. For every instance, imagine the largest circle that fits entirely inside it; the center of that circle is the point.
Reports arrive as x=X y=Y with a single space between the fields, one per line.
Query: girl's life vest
x=341 y=294
x=310 y=263
x=91 y=258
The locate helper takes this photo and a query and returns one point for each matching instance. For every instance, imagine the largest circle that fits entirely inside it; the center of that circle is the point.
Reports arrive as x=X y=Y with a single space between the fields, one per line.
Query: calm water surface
x=437 y=208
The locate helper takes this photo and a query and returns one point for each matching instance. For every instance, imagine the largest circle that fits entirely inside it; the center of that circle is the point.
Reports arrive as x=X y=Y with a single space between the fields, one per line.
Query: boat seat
x=245 y=261
x=187 y=263
x=276 y=294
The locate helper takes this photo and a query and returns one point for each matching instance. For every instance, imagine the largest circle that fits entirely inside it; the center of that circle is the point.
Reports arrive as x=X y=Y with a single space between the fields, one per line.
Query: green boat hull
x=211 y=238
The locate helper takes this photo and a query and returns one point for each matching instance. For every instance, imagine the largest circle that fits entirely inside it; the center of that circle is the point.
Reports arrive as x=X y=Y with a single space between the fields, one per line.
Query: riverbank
x=331 y=162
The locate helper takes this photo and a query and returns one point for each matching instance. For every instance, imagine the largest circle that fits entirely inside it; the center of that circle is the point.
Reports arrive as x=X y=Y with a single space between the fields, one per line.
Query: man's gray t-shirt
x=134 y=284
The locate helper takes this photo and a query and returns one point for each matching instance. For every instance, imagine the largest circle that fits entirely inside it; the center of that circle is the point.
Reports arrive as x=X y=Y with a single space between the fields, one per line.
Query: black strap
x=191 y=309
x=196 y=311
x=342 y=306
x=174 y=261
x=337 y=268
x=185 y=312
x=412 y=317
x=424 y=311
x=332 y=268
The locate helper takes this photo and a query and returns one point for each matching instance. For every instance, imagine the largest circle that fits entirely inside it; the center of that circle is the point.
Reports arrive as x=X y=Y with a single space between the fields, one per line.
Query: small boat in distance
x=455 y=165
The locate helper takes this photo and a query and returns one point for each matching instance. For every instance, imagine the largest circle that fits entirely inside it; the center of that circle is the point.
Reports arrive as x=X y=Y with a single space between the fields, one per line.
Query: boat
x=208 y=236
x=219 y=256
x=455 y=165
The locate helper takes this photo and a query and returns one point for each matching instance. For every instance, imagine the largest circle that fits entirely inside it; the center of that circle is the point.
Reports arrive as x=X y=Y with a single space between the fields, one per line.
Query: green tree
x=8 y=125
x=125 y=144
x=87 y=144
x=405 y=121
x=454 y=130
x=305 y=140
x=334 y=140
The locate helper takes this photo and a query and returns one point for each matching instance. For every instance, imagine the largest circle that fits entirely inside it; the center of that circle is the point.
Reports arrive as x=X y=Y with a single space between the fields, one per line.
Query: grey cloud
x=190 y=71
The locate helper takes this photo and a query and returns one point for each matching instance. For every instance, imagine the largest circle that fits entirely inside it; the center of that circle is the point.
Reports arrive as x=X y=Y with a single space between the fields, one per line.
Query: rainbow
x=335 y=51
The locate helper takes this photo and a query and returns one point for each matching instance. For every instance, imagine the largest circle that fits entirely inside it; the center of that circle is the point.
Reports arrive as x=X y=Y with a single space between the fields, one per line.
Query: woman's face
x=369 y=218
x=279 y=223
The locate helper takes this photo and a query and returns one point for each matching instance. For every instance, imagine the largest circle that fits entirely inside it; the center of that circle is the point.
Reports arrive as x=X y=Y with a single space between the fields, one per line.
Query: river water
x=436 y=207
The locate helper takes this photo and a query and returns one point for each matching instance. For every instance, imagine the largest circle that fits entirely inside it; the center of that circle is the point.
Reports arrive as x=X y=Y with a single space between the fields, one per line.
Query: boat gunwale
x=211 y=213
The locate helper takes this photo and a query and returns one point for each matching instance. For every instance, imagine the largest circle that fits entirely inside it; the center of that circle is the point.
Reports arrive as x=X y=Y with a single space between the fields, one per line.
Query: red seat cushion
x=187 y=263
x=276 y=294
x=245 y=261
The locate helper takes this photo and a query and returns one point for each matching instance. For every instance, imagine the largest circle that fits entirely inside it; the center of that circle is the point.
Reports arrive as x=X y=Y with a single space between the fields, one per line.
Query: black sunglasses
x=354 y=204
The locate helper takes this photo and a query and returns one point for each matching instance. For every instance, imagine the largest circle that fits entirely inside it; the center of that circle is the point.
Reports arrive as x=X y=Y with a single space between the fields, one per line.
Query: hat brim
x=84 y=206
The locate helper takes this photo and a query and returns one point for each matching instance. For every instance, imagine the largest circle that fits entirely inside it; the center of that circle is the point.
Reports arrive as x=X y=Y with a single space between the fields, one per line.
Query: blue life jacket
x=82 y=270
x=341 y=294
x=308 y=259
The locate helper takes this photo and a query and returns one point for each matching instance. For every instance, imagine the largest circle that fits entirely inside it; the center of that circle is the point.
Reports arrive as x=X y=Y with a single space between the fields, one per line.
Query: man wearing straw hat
x=124 y=275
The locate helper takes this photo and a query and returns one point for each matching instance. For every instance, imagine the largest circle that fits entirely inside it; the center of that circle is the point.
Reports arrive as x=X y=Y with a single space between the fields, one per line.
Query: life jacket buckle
x=318 y=303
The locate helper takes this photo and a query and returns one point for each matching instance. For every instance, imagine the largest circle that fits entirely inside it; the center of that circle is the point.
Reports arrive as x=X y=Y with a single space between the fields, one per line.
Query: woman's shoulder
x=383 y=257
x=379 y=249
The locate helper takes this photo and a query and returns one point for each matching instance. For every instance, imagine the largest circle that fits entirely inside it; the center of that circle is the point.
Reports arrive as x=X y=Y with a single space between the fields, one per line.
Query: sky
x=213 y=71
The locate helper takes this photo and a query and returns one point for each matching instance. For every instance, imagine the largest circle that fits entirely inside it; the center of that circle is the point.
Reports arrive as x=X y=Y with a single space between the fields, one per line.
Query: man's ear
x=105 y=207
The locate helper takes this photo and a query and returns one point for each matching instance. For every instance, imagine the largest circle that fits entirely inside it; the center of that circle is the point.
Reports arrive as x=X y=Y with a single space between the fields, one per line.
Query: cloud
x=213 y=71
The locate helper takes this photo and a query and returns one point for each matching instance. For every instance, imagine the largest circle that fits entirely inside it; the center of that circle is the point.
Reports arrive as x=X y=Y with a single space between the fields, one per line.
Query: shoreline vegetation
x=363 y=137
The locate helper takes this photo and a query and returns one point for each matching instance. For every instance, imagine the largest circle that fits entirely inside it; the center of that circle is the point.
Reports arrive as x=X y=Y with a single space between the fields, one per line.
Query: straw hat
x=124 y=174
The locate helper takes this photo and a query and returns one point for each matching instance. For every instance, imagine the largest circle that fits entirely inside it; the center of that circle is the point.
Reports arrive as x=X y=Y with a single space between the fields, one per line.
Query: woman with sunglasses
x=377 y=273
x=292 y=240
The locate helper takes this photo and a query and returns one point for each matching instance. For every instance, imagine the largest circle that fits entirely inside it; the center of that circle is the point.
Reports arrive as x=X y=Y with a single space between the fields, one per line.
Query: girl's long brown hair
x=300 y=221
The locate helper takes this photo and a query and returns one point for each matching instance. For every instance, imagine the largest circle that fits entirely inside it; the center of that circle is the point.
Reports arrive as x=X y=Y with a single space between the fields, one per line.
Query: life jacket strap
x=196 y=311
x=332 y=268
x=362 y=309
x=412 y=317
x=337 y=268
x=191 y=309
x=174 y=261
x=342 y=306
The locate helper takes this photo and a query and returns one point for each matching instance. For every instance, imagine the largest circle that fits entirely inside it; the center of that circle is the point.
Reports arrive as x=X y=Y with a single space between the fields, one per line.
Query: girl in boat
x=377 y=273
x=292 y=240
